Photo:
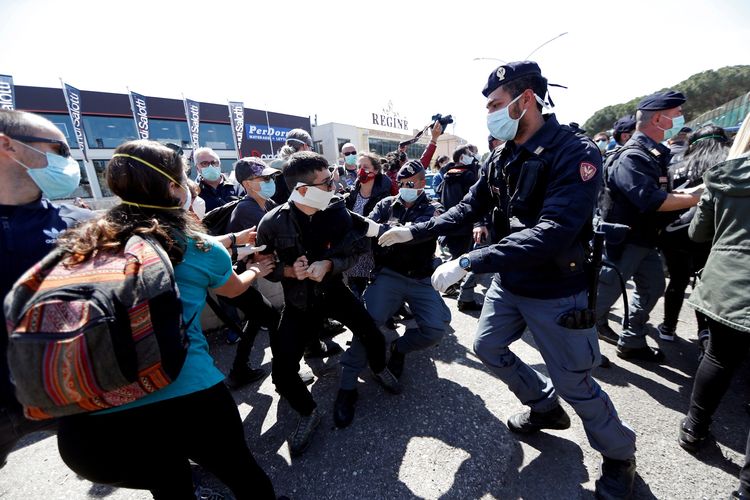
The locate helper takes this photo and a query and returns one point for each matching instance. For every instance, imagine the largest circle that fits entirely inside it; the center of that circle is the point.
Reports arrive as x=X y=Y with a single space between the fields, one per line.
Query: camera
x=444 y=120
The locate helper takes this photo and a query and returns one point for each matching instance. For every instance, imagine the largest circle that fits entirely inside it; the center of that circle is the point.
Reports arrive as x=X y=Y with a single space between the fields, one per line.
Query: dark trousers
x=727 y=349
x=258 y=312
x=149 y=447
x=14 y=426
x=682 y=265
x=298 y=327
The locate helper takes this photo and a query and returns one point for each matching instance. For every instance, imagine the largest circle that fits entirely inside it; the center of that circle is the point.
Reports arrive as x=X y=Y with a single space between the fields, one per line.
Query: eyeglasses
x=64 y=150
x=409 y=184
x=349 y=153
x=327 y=183
x=214 y=163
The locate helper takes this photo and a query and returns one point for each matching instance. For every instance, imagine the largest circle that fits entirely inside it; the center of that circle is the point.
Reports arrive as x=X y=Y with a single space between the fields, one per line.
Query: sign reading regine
x=390 y=118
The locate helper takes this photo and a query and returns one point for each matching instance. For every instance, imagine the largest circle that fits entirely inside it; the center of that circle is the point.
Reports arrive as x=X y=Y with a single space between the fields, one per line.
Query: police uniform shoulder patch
x=587 y=171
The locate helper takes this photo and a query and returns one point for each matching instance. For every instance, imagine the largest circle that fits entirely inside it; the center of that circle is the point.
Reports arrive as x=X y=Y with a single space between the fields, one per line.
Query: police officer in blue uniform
x=541 y=190
x=35 y=164
x=636 y=195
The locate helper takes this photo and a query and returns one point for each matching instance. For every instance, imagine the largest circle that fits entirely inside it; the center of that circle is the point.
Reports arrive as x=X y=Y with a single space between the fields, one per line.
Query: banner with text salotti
x=140 y=114
x=7 y=93
x=73 y=100
x=237 y=121
x=193 y=115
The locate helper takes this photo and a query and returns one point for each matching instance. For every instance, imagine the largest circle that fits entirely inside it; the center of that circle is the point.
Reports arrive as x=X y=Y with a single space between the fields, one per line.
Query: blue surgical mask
x=59 y=178
x=677 y=123
x=602 y=145
x=501 y=125
x=211 y=173
x=409 y=195
x=267 y=189
x=350 y=159
x=467 y=159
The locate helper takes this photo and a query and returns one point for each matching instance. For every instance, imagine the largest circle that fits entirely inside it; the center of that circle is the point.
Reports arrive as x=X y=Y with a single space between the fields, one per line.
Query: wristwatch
x=464 y=262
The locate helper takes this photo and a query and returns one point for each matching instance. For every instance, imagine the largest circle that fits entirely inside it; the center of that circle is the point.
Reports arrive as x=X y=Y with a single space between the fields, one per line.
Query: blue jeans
x=383 y=297
x=644 y=266
x=569 y=355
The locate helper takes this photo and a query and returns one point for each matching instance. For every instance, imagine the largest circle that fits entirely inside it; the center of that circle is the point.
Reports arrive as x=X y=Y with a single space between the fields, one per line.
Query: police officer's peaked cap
x=410 y=168
x=509 y=72
x=662 y=100
x=624 y=124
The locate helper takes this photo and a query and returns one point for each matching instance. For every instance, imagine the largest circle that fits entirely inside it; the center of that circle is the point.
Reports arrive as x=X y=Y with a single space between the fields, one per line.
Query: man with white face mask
x=541 y=191
x=35 y=165
x=315 y=238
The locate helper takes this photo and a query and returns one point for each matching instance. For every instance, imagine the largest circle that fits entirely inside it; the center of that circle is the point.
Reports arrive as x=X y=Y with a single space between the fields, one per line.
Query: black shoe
x=688 y=439
x=616 y=481
x=343 y=408
x=300 y=439
x=531 y=421
x=243 y=376
x=405 y=312
x=323 y=350
x=469 y=305
x=331 y=327
x=396 y=361
x=605 y=362
x=388 y=381
x=640 y=354
x=607 y=334
x=451 y=291
x=390 y=323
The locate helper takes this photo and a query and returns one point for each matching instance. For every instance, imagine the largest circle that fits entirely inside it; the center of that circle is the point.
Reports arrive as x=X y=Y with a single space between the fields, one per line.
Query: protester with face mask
x=602 y=141
x=370 y=187
x=541 y=282
x=35 y=165
x=402 y=274
x=315 y=238
x=637 y=195
x=349 y=152
x=194 y=417
x=215 y=188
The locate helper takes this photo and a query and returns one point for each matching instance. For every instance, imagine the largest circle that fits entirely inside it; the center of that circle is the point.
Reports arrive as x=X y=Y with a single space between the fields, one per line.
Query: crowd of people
x=354 y=246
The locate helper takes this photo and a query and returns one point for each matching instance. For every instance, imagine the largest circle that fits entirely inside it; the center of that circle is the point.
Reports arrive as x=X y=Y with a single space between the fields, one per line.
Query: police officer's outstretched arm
x=475 y=204
x=569 y=200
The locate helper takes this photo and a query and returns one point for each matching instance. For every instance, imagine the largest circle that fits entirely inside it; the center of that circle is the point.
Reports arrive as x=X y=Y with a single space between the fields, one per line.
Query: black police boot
x=640 y=354
x=616 y=481
x=689 y=439
x=243 y=375
x=396 y=361
x=322 y=350
x=469 y=305
x=607 y=334
x=532 y=421
x=343 y=408
x=331 y=327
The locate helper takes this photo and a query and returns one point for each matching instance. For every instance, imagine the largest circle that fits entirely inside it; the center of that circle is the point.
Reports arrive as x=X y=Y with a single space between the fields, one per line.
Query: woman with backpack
x=147 y=444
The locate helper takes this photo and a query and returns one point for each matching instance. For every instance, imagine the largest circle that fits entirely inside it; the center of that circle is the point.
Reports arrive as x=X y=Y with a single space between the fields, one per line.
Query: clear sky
x=345 y=60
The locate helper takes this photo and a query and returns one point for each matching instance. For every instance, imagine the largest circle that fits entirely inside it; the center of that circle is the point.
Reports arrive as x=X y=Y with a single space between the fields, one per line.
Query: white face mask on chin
x=313 y=197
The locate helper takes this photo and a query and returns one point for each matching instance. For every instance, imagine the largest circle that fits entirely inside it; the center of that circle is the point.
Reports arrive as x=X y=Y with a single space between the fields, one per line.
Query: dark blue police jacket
x=29 y=232
x=638 y=184
x=544 y=192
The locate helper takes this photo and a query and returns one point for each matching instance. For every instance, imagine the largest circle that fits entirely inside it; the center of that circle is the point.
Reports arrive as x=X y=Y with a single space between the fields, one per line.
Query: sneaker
x=343 y=408
x=388 y=381
x=306 y=374
x=666 y=333
x=688 y=439
x=231 y=336
x=640 y=354
x=299 y=441
x=331 y=327
x=323 y=350
x=241 y=377
x=396 y=361
x=607 y=334
x=469 y=305
x=616 y=481
x=451 y=291
x=532 y=421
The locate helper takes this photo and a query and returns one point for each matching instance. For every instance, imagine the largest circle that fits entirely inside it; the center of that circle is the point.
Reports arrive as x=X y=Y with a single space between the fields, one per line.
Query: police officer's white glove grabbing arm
x=395 y=235
x=447 y=274
x=373 y=228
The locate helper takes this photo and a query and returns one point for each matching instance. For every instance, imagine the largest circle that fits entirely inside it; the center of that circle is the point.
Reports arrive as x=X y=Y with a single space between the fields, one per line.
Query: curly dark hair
x=145 y=190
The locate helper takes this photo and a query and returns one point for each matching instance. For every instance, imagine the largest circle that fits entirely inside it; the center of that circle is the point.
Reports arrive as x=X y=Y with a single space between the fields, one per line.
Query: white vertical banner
x=73 y=100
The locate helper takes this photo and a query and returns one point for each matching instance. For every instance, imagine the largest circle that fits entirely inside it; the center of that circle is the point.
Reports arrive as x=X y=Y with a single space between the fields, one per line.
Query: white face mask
x=188 y=198
x=313 y=197
x=467 y=159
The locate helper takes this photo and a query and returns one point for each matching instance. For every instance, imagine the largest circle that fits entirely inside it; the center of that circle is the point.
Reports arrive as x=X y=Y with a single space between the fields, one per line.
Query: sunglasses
x=350 y=153
x=328 y=183
x=64 y=150
x=409 y=184
x=205 y=164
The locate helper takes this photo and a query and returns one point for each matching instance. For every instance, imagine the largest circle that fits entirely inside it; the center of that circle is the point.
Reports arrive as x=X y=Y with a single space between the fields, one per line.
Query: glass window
x=107 y=132
x=66 y=127
x=384 y=146
x=318 y=147
x=101 y=166
x=216 y=136
x=341 y=143
x=172 y=131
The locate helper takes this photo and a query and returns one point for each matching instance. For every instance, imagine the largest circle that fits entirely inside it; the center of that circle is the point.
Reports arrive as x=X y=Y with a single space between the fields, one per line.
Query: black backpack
x=217 y=220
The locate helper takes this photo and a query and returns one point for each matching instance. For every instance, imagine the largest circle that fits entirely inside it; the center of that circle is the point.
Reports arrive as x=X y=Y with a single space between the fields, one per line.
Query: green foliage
x=704 y=91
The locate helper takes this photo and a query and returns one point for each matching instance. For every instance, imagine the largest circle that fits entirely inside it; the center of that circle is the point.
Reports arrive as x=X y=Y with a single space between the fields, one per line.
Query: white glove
x=395 y=235
x=373 y=228
x=246 y=250
x=447 y=274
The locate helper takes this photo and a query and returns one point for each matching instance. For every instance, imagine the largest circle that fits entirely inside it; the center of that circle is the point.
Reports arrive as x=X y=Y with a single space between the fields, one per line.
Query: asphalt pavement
x=446 y=437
